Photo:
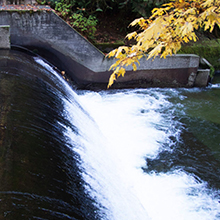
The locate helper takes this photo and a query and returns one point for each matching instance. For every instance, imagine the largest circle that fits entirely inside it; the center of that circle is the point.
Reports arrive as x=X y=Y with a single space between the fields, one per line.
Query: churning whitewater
x=117 y=132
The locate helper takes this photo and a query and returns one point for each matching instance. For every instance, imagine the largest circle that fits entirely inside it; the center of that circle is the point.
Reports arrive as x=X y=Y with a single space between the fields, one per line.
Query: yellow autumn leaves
x=165 y=31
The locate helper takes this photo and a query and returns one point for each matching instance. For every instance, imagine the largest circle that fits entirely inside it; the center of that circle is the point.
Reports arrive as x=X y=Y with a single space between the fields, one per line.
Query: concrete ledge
x=48 y=35
x=5 y=37
x=202 y=77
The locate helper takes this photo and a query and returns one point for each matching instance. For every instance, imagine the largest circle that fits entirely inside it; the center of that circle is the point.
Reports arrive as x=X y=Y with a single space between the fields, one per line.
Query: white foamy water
x=118 y=133
x=128 y=124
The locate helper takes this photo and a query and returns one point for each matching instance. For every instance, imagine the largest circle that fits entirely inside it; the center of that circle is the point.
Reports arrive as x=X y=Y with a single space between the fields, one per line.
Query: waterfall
x=134 y=128
x=121 y=130
x=123 y=155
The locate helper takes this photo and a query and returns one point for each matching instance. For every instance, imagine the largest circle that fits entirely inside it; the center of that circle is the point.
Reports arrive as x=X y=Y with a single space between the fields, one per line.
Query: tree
x=165 y=31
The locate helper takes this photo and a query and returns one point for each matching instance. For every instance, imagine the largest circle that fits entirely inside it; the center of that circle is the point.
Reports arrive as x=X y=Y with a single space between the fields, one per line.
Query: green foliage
x=82 y=14
x=77 y=16
x=83 y=24
x=137 y=7
x=64 y=7
x=41 y=2
x=209 y=49
x=212 y=71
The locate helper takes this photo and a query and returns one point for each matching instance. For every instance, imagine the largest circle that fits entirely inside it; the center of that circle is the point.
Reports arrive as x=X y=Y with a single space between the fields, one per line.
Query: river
x=113 y=155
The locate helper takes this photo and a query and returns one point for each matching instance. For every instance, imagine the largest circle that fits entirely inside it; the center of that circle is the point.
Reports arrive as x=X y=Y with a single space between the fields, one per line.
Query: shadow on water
x=40 y=176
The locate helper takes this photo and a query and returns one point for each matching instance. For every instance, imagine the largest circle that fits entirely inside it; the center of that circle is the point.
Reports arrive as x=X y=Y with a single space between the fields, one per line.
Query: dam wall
x=43 y=32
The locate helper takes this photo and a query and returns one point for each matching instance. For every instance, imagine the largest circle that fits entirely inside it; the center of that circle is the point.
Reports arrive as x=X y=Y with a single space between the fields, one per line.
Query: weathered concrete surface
x=176 y=67
x=47 y=34
x=30 y=29
x=191 y=79
x=5 y=37
x=202 y=77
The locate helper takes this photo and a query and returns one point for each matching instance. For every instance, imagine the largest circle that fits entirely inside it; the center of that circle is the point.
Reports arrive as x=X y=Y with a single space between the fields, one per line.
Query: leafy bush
x=64 y=7
x=76 y=15
x=84 y=25
x=82 y=15
x=138 y=7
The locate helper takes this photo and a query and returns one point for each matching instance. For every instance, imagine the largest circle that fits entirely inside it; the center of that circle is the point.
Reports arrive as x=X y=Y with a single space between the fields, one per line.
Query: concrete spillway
x=47 y=34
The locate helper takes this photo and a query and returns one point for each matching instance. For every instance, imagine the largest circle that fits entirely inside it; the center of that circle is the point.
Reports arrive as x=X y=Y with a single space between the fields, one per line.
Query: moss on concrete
x=107 y=47
x=208 y=49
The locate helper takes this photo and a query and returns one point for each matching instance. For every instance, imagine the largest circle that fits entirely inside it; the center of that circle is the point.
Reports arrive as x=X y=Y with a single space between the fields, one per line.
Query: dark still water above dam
x=112 y=155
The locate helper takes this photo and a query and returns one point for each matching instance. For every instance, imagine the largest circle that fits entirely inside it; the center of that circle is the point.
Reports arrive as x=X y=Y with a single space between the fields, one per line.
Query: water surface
x=111 y=155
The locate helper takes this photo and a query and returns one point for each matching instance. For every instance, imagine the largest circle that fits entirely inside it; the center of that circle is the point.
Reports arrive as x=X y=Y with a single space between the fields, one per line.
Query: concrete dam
x=43 y=32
